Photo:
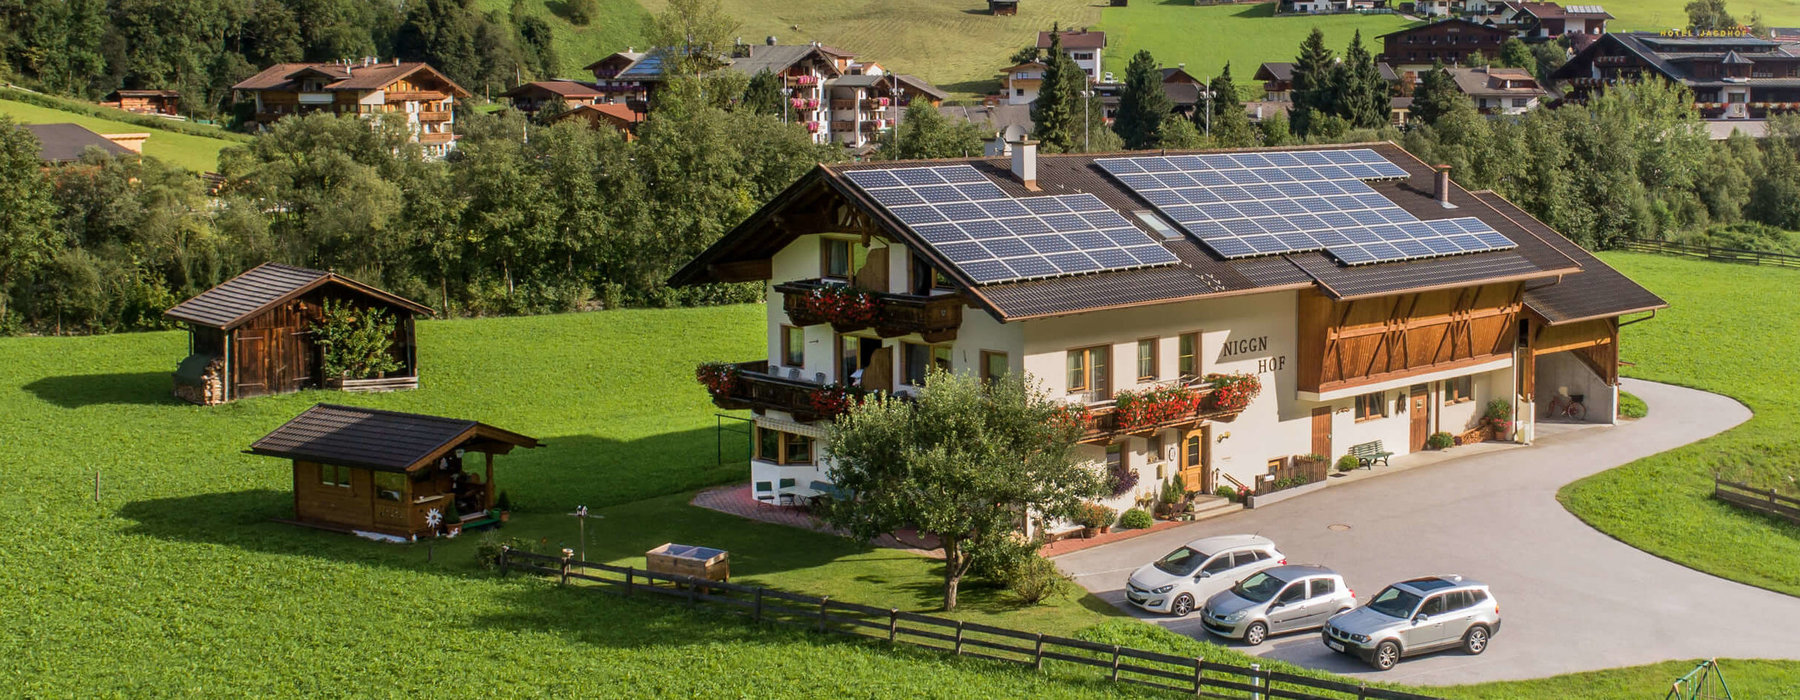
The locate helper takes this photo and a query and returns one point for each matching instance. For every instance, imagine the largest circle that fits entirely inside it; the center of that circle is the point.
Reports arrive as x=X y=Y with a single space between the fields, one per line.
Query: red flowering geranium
x=718 y=377
x=1231 y=392
x=833 y=399
x=1072 y=417
x=1154 y=406
x=841 y=306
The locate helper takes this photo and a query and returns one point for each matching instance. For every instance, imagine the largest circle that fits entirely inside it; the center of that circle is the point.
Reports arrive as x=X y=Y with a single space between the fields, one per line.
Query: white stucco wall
x=1561 y=373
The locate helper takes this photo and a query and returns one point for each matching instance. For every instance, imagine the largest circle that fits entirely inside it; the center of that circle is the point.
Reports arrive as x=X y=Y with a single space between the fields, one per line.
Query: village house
x=1547 y=20
x=1279 y=303
x=366 y=87
x=1731 y=77
x=253 y=335
x=1449 y=42
x=617 y=117
x=1019 y=84
x=1499 y=90
x=835 y=97
x=1277 y=78
x=532 y=96
x=159 y=102
x=1434 y=8
x=1083 y=47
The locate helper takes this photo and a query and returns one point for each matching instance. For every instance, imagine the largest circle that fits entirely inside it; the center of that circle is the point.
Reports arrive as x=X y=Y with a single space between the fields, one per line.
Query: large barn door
x=252 y=363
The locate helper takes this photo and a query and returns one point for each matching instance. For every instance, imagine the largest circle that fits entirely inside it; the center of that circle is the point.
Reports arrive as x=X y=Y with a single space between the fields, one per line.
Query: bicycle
x=1568 y=407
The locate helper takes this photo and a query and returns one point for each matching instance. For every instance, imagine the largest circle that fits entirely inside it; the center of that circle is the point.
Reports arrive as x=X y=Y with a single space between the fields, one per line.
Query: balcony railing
x=751 y=385
x=434 y=116
x=935 y=318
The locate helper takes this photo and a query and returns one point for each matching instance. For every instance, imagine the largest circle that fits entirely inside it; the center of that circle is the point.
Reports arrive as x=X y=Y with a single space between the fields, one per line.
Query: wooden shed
x=364 y=470
x=164 y=102
x=1003 y=7
x=251 y=335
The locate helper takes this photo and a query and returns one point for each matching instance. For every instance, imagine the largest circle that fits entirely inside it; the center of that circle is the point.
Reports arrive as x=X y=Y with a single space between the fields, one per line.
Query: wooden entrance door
x=1419 y=404
x=1321 y=432
x=1195 y=474
x=250 y=365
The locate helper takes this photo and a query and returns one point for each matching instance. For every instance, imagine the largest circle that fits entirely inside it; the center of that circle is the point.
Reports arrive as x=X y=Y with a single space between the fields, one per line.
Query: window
x=834 y=260
x=793 y=346
x=1115 y=458
x=1292 y=593
x=783 y=448
x=1432 y=606
x=1187 y=357
x=921 y=359
x=925 y=279
x=1323 y=587
x=1087 y=370
x=334 y=475
x=390 y=486
x=854 y=353
x=1153 y=446
x=1520 y=102
x=1019 y=91
x=1371 y=406
x=1476 y=597
x=1146 y=360
x=1458 y=390
x=1218 y=564
x=1193 y=448
x=994 y=365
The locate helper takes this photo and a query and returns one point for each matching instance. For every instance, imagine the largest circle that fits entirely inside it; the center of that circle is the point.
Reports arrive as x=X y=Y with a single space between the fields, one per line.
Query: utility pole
x=1086 y=97
x=1208 y=94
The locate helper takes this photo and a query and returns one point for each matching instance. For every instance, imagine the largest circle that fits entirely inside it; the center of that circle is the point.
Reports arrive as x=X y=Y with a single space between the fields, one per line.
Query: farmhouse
x=1731 y=77
x=1548 y=20
x=530 y=97
x=252 y=335
x=1083 y=47
x=367 y=87
x=1450 y=42
x=1499 y=90
x=1368 y=297
x=402 y=475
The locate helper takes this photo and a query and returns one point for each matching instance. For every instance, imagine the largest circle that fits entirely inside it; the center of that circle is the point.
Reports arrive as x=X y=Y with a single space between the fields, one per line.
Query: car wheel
x=1475 y=640
x=1386 y=655
x=1256 y=633
x=1183 y=605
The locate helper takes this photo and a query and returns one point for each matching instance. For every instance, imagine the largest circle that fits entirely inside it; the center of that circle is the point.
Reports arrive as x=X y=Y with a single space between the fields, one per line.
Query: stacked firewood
x=211 y=390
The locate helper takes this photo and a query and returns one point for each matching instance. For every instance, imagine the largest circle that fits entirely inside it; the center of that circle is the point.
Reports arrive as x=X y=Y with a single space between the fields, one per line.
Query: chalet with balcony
x=1449 y=42
x=1499 y=90
x=532 y=96
x=368 y=87
x=1211 y=317
x=1020 y=83
x=165 y=103
x=1084 y=47
x=1731 y=77
x=1547 y=20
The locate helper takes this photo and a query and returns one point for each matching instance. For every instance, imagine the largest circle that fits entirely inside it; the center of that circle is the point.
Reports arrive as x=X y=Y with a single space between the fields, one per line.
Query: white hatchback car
x=1187 y=577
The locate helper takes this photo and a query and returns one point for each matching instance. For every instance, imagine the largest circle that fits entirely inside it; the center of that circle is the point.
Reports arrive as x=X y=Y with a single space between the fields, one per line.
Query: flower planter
x=1087 y=533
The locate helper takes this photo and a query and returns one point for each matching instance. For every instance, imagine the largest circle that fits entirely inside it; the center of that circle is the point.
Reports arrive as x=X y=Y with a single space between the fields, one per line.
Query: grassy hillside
x=618 y=25
x=1206 y=37
x=192 y=152
x=1710 y=339
x=1669 y=14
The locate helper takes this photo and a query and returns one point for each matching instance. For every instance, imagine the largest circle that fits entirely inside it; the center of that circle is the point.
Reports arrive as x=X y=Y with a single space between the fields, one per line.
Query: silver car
x=1278 y=600
x=1415 y=617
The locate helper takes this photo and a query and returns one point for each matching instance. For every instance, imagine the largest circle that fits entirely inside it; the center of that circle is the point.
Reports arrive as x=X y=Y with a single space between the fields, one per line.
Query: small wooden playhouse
x=251 y=335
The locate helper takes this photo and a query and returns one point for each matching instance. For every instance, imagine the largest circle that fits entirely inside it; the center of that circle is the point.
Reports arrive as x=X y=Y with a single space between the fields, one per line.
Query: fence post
x=959 y=634
x=824 y=601
x=1115 y=666
x=565 y=566
x=1256 y=681
x=1038 y=657
x=1362 y=691
x=1199 y=667
x=629 y=571
x=758 y=613
x=893 y=624
x=503 y=563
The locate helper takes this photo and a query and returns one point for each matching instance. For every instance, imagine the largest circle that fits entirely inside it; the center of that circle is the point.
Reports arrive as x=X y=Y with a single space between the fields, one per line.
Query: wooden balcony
x=935 y=318
x=758 y=389
x=1104 y=422
x=434 y=116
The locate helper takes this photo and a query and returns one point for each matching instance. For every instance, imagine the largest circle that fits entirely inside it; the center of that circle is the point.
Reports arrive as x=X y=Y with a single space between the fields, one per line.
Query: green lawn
x=1656 y=15
x=178 y=580
x=618 y=25
x=1710 y=339
x=192 y=152
x=1246 y=35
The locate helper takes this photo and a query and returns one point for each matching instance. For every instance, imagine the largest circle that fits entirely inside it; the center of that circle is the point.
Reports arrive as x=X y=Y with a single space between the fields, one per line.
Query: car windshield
x=1258 y=588
x=1394 y=602
x=1181 y=562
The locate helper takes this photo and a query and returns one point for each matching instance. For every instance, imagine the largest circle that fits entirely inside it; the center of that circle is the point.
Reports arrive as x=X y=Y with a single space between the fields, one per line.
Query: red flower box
x=1232 y=392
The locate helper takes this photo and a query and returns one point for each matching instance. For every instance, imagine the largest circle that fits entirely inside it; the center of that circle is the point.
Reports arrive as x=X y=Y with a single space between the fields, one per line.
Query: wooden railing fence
x=1187 y=675
x=1762 y=500
x=1715 y=253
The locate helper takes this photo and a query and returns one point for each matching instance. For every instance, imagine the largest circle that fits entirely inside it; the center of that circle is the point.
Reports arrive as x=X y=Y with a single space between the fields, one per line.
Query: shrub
x=1226 y=492
x=1037 y=580
x=1000 y=561
x=452 y=516
x=487 y=551
x=1440 y=440
x=502 y=502
x=1172 y=491
x=1123 y=479
x=1288 y=483
x=1348 y=462
x=354 y=342
x=1136 y=519
x=1094 y=515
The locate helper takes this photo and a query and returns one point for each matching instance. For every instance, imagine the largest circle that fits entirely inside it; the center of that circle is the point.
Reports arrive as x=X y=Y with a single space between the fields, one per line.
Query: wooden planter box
x=689 y=560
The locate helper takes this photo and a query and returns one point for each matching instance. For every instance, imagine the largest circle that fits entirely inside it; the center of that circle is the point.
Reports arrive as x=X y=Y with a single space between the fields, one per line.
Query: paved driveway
x=1572 y=598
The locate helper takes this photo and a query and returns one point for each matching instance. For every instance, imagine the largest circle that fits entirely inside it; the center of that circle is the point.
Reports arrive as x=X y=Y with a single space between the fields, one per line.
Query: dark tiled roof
x=375 y=439
x=1596 y=291
x=371 y=76
x=1075 y=39
x=564 y=88
x=64 y=143
x=240 y=298
x=1199 y=273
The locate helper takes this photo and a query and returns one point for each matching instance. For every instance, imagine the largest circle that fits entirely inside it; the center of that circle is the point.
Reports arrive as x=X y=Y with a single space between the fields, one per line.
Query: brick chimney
x=1441 y=176
x=1024 y=162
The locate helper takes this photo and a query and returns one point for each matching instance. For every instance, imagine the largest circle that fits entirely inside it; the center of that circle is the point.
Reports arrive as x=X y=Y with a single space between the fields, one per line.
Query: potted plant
x=1094 y=518
x=1226 y=492
x=452 y=519
x=1498 y=418
x=1440 y=440
x=503 y=504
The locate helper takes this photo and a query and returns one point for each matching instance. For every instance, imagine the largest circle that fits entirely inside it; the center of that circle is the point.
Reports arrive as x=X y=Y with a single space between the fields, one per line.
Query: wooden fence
x=1734 y=255
x=1187 y=675
x=1762 y=500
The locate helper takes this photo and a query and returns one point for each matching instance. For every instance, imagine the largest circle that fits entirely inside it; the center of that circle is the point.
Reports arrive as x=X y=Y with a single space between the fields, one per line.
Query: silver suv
x=1417 y=616
x=1277 y=600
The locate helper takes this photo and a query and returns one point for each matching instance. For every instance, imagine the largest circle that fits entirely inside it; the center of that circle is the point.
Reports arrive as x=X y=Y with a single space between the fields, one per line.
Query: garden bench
x=1368 y=453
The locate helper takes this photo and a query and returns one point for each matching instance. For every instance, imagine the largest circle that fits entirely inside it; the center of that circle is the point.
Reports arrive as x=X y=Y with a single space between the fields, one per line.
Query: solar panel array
x=1248 y=204
x=993 y=237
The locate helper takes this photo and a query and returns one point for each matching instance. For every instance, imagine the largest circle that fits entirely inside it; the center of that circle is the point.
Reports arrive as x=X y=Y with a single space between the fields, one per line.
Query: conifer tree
x=1312 y=82
x=1436 y=95
x=1142 y=104
x=1055 y=112
x=1230 y=125
x=1360 y=94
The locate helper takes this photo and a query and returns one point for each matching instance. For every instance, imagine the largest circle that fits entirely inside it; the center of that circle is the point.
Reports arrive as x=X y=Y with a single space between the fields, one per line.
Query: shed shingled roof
x=241 y=298
x=373 y=438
